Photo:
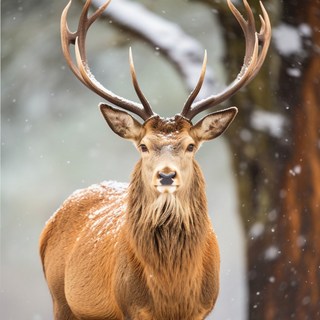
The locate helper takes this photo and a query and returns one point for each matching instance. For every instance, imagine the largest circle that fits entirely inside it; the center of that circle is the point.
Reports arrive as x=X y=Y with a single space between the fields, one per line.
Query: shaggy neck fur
x=167 y=230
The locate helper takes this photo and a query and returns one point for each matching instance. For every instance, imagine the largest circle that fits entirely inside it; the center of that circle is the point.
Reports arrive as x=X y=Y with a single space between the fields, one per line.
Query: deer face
x=167 y=146
x=167 y=149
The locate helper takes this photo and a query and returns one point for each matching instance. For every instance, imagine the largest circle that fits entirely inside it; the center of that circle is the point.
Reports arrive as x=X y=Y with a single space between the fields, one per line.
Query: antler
x=82 y=70
x=253 y=61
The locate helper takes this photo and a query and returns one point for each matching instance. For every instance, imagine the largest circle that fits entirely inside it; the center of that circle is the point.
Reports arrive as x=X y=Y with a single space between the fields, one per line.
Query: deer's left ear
x=121 y=123
x=214 y=124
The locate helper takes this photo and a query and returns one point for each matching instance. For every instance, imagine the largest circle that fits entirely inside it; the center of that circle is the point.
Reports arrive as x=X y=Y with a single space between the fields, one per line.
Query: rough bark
x=278 y=173
x=295 y=292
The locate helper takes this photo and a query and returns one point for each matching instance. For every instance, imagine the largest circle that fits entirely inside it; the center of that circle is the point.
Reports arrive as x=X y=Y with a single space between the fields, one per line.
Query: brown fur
x=132 y=253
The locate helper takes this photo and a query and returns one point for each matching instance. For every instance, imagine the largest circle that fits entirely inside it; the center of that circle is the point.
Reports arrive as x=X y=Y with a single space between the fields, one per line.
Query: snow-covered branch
x=182 y=50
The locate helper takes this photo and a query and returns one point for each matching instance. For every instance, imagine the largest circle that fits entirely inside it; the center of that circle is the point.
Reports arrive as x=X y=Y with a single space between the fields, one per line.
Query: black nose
x=166 y=179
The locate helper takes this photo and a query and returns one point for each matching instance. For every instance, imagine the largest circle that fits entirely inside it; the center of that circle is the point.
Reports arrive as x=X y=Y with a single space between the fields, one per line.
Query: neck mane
x=167 y=230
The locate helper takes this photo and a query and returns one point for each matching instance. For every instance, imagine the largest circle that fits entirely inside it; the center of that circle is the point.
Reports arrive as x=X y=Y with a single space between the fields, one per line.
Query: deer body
x=146 y=251
x=130 y=253
x=105 y=278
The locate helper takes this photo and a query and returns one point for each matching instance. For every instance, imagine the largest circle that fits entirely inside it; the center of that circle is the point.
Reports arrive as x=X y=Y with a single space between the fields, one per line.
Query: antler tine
x=264 y=35
x=67 y=38
x=85 y=22
x=82 y=70
x=196 y=90
x=253 y=59
x=136 y=86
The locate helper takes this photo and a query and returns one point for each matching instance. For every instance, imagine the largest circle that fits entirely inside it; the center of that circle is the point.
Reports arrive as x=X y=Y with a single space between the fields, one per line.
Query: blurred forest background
x=263 y=176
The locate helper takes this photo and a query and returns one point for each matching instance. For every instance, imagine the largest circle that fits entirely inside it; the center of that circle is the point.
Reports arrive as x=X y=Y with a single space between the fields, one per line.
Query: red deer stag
x=146 y=250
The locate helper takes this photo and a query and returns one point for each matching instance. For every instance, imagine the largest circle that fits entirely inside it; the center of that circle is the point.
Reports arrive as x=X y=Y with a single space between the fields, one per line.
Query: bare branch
x=159 y=32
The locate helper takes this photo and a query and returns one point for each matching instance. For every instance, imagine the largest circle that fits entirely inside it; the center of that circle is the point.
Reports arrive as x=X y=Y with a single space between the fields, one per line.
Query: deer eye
x=143 y=148
x=190 y=147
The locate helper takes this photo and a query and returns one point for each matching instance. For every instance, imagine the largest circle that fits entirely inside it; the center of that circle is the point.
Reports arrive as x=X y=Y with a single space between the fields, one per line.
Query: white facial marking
x=166 y=189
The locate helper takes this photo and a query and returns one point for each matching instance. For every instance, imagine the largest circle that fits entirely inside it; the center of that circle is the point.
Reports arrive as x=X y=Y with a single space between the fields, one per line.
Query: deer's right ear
x=121 y=123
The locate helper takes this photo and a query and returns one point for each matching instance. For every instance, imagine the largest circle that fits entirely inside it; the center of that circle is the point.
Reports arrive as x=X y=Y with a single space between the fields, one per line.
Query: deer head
x=167 y=146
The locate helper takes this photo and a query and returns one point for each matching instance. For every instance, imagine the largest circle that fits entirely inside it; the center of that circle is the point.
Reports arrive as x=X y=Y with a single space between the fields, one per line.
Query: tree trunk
x=276 y=145
x=295 y=291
